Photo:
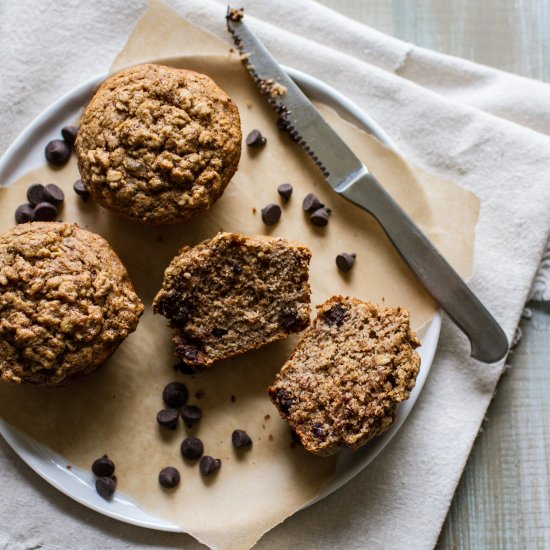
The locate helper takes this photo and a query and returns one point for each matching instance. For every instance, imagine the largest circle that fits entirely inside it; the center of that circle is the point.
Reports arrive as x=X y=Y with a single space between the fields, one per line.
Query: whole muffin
x=66 y=303
x=157 y=144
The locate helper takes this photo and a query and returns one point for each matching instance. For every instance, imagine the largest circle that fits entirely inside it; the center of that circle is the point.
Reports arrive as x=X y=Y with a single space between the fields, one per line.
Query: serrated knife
x=351 y=179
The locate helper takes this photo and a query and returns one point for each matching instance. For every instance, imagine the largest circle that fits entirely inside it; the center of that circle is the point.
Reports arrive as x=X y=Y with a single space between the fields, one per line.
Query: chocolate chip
x=345 y=261
x=57 y=152
x=271 y=214
x=175 y=394
x=240 y=439
x=318 y=431
x=311 y=203
x=209 y=465
x=236 y=267
x=191 y=448
x=24 y=213
x=284 y=399
x=103 y=467
x=288 y=320
x=81 y=190
x=168 y=418
x=285 y=190
x=255 y=139
x=35 y=194
x=53 y=194
x=319 y=217
x=69 y=134
x=189 y=354
x=335 y=315
x=176 y=309
x=169 y=477
x=105 y=487
x=190 y=414
x=45 y=212
x=185 y=369
x=219 y=332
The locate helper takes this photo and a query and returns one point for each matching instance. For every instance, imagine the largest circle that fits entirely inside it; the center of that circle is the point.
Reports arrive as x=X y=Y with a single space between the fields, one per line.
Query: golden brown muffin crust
x=66 y=303
x=158 y=144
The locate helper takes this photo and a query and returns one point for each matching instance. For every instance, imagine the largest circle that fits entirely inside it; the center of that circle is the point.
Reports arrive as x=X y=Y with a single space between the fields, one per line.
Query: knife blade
x=351 y=179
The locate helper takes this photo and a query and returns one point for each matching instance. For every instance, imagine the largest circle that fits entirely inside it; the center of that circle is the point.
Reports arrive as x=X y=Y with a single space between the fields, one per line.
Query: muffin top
x=66 y=303
x=158 y=144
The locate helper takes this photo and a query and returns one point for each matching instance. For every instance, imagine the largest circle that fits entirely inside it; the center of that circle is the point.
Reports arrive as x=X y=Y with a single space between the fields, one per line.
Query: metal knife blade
x=350 y=178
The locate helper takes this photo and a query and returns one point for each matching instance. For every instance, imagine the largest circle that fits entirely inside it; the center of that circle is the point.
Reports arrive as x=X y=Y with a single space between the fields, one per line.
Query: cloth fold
x=484 y=129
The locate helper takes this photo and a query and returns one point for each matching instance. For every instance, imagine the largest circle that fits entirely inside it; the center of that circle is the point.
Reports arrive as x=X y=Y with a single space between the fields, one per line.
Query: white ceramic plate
x=27 y=152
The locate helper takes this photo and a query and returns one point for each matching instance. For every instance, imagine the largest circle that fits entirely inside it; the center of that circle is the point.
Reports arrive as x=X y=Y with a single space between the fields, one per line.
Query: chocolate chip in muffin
x=169 y=477
x=45 y=212
x=35 y=194
x=285 y=191
x=219 y=332
x=81 y=190
x=24 y=213
x=175 y=394
x=192 y=448
x=53 y=194
x=335 y=315
x=103 y=467
x=289 y=320
x=255 y=139
x=57 y=152
x=191 y=355
x=190 y=414
x=69 y=134
x=271 y=214
x=209 y=465
x=320 y=217
x=318 y=431
x=240 y=439
x=168 y=418
x=105 y=487
x=345 y=261
x=311 y=203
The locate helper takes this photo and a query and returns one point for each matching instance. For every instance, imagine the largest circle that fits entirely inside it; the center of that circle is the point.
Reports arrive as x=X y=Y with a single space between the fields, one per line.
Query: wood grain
x=503 y=499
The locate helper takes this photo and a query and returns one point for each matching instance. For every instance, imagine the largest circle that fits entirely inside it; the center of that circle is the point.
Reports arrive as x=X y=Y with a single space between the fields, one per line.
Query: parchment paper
x=113 y=411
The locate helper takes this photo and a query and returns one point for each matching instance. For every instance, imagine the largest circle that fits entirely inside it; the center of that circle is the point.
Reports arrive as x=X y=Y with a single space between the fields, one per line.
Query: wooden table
x=503 y=499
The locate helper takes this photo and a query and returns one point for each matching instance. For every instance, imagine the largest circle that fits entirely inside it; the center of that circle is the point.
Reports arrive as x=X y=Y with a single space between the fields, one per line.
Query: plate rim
x=34 y=454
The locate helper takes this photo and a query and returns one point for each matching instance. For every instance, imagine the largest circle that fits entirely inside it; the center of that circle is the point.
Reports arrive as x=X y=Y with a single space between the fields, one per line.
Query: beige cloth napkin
x=482 y=128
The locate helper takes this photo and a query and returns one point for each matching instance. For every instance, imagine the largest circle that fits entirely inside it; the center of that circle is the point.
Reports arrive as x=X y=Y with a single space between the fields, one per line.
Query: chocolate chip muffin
x=234 y=293
x=343 y=381
x=66 y=303
x=157 y=144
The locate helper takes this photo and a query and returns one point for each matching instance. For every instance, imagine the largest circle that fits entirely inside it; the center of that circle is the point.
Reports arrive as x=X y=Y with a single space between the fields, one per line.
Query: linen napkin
x=484 y=129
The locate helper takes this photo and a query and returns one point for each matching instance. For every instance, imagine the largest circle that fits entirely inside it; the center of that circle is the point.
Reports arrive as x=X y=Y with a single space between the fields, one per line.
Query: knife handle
x=487 y=339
